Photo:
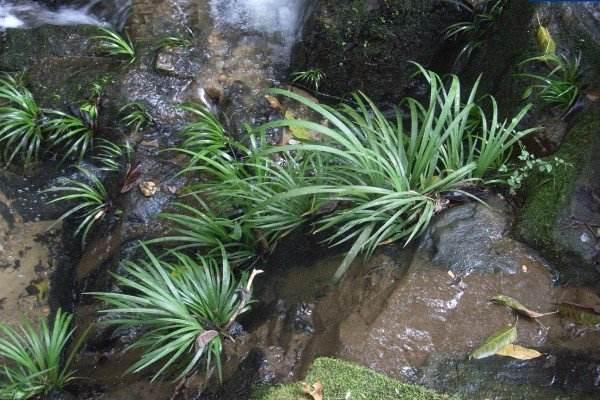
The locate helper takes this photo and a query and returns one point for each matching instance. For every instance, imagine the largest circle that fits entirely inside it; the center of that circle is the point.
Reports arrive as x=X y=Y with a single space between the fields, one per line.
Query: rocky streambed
x=414 y=313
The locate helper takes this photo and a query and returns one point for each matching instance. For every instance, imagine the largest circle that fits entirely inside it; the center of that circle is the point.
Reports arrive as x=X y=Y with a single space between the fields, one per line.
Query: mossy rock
x=344 y=380
x=549 y=218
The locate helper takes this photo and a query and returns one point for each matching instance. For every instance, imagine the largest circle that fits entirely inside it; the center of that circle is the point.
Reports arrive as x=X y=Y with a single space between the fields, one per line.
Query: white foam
x=282 y=17
x=9 y=21
x=28 y=14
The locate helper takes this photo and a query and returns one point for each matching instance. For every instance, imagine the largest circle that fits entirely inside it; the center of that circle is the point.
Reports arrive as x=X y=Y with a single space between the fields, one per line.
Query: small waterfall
x=29 y=14
x=282 y=18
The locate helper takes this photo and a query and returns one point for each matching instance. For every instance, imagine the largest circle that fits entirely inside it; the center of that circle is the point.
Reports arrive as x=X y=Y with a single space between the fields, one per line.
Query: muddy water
x=26 y=266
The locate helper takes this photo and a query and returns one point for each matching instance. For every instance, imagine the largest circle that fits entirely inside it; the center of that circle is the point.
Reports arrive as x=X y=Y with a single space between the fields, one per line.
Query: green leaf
x=495 y=343
x=518 y=307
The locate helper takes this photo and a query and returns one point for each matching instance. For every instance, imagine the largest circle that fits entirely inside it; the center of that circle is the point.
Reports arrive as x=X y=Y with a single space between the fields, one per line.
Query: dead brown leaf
x=315 y=390
x=518 y=352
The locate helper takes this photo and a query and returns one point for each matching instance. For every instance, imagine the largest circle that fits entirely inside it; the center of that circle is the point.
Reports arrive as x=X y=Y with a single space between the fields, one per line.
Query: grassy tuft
x=561 y=85
x=390 y=180
x=112 y=156
x=185 y=307
x=135 y=116
x=20 y=127
x=91 y=202
x=114 y=44
x=32 y=358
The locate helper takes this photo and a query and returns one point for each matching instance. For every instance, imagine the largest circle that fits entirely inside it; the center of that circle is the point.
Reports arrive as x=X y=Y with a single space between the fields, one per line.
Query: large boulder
x=561 y=213
x=367 y=45
x=416 y=313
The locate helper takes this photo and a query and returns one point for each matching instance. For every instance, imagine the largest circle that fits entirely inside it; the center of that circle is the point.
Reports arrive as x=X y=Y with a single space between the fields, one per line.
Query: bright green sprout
x=311 y=77
x=92 y=202
x=20 y=126
x=114 y=44
x=186 y=309
x=32 y=358
x=135 y=116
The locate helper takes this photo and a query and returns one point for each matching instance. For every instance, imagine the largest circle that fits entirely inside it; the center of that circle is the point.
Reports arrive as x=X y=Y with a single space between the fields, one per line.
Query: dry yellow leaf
x=315 y=390
x=273 y=102
x=518 y=352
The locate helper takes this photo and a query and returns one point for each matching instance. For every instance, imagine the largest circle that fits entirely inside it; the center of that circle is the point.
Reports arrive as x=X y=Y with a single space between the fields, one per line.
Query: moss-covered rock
x=560 y=211
x=343 y=380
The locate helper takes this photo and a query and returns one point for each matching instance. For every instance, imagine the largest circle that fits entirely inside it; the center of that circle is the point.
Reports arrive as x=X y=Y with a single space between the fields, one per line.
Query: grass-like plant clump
x=135 y=116
x=20 y=128
x=91 y=201
x=70 y=133
x=185 y=308
x=32 y=358
x=200 y=229
x=560 y=85
x=311 y=77
x=114 y=44
x=484 y=16
x=390 y=180
x=369 y=180
x=112 y=156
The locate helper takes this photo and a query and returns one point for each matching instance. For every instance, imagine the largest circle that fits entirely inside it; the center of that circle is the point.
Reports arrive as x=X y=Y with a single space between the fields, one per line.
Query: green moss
x=344 y=380
x=547 y=196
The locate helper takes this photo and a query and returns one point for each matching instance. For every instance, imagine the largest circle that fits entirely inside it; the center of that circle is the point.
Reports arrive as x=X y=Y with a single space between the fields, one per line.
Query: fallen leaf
x=518 y=307
x=204 y=339
x=495 y=342
x=148 y=188
x=315 y=390
x=132 y=177
x=297 y=132
x=273 y=102
x=518 y=352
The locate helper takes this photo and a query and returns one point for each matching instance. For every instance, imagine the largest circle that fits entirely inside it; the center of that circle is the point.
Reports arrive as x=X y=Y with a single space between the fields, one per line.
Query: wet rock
x=367 y=45
x=244 y=106
x=22 y=48
x=556 y=375
x=416 y=313
x=180 y=62
x=141 y=212
x=469 y=239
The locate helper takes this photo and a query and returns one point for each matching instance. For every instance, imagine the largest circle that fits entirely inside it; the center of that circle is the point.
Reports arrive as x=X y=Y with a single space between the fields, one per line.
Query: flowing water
x=29 y=14
x=279 y=17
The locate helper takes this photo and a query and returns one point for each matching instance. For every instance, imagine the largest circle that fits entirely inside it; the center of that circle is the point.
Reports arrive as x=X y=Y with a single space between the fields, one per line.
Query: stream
x=411 y=312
